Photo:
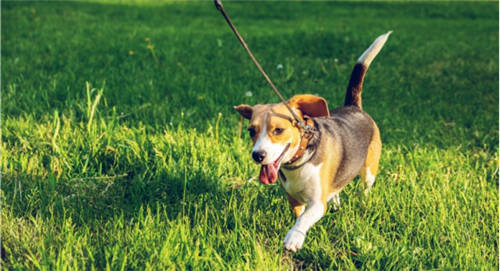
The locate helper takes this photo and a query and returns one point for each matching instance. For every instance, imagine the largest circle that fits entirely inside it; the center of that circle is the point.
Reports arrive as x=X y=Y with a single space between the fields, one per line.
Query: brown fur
x=310 y=105
x=373 y=155
x=297 y=206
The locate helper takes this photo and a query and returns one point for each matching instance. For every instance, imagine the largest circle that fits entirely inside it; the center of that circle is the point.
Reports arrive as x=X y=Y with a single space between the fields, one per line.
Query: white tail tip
x=367 y=57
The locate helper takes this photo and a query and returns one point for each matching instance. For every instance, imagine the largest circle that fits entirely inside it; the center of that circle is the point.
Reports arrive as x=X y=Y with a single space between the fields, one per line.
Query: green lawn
x=121 y=151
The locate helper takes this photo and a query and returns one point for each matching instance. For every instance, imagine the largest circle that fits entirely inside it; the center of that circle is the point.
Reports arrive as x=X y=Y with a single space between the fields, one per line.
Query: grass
x=121 y=151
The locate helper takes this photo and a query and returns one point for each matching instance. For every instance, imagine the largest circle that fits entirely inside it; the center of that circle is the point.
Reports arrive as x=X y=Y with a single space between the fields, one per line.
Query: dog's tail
x=353 y=94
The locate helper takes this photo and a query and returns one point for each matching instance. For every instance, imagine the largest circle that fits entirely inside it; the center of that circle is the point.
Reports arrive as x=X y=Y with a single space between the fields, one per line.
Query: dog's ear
x=310 y=105
x=245 y=110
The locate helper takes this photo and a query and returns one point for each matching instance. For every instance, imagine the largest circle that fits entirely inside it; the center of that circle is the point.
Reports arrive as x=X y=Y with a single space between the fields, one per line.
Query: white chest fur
x=304 y=183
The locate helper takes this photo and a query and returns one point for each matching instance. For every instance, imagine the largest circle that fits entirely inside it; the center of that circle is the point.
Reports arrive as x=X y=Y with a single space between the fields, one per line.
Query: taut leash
x=305 y=127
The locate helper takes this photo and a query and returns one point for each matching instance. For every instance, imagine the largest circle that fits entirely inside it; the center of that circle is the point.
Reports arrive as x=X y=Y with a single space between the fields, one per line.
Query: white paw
x=367 y=191
x=294 y=240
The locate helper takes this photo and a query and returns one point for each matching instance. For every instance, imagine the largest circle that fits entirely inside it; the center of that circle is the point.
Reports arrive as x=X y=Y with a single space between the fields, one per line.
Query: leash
x=304 y=126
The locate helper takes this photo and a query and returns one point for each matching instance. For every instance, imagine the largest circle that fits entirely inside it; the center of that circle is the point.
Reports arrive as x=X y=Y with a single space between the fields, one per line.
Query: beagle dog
x=314 y=164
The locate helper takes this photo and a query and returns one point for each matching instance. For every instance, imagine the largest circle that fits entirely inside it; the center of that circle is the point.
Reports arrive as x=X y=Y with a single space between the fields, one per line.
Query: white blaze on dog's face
x=276 y=138
x=272 y=134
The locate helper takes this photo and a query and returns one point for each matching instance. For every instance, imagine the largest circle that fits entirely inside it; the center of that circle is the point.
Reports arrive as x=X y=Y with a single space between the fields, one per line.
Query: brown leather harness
x=306 y=134
x=304 y=140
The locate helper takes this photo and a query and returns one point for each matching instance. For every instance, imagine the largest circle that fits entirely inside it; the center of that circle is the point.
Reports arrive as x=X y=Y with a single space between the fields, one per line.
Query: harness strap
x=283 y=116
x=304 y=140
x=306 y=134
x=306 y=127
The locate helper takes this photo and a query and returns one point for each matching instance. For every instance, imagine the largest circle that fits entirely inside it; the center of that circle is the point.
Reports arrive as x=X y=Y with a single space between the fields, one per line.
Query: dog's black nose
x=258 y=156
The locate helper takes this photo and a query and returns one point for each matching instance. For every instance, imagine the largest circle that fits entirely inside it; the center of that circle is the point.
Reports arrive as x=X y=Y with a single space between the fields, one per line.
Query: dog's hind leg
x=370 y=167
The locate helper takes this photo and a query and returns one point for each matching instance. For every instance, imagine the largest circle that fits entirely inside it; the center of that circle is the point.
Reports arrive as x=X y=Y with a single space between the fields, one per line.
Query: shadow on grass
x=86 y=199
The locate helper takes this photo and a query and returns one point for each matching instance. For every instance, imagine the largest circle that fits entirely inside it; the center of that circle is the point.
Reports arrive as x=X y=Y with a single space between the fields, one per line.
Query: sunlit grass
x=120 y=149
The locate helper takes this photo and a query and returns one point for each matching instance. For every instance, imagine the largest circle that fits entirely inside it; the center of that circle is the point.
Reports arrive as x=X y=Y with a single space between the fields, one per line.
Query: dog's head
x=274 y=132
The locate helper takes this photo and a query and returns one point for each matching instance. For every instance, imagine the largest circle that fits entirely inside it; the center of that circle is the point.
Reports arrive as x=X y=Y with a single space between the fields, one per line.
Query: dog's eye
x=278 y=131
x=251 y=131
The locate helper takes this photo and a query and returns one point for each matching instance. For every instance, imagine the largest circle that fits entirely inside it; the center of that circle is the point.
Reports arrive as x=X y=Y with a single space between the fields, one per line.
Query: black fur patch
x=353 y=93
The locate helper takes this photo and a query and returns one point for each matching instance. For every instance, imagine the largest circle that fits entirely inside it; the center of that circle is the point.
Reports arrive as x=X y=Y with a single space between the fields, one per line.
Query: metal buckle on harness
x=305 y=127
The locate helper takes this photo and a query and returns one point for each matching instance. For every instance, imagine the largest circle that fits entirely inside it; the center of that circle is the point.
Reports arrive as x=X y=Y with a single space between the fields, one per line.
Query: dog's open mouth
x=269 y=173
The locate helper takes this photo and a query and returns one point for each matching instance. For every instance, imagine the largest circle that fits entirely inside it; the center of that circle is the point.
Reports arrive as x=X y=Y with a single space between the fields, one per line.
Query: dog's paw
x=294 y=240
x=366 y=192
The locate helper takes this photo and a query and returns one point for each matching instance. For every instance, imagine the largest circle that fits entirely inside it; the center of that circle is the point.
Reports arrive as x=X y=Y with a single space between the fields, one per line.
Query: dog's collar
x=307 y=132
x=307 y=135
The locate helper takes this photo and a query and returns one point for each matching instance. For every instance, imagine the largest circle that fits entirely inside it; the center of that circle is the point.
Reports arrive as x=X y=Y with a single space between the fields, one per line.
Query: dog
x=315 y=164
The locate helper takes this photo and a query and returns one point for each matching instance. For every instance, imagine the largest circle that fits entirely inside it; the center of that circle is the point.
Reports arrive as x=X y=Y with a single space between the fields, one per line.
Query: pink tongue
x=268 y=174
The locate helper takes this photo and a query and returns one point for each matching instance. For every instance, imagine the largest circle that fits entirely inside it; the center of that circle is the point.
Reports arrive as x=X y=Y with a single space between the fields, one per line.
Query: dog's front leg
x=296 y=235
